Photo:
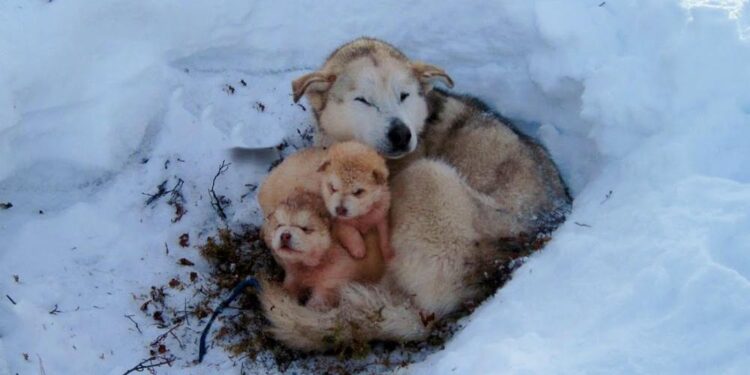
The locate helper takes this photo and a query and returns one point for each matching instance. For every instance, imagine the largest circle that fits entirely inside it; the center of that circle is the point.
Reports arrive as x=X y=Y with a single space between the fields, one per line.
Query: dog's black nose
x=399 y=135
x=341 y=211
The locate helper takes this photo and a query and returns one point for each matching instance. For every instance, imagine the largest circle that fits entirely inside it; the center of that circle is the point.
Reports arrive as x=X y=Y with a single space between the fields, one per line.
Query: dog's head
x=299 y=229
x=370 y=92
x=353 y=179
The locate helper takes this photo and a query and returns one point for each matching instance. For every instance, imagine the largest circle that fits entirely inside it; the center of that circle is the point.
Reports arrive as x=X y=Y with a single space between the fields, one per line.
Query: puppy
x=315 y=264
x=355 y=189
x=296 y=174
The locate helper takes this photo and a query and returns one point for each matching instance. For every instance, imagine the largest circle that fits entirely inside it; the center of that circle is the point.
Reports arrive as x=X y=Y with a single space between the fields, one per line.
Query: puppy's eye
x=306 y=229
x=362 y=100
x=404 y=95
x=359 y=192
x=330 y=187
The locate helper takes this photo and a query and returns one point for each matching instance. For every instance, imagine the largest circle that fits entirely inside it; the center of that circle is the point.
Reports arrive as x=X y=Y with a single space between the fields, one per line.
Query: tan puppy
x=298 y=232
x=297 y=173
x=354 y=185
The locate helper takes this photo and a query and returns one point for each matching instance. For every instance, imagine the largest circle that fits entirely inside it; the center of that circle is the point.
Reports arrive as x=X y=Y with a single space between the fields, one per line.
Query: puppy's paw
x=357 y=252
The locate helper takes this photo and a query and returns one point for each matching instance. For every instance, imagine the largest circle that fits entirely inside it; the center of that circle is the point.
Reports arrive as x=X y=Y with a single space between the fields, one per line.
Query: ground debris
x=185 y=262
x=236 y=255
x=184 y=240
x=219 y=202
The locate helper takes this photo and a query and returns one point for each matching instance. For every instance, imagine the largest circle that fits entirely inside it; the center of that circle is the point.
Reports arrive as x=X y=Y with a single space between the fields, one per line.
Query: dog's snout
x=399 y=135
x=341 y=211
x=286 y=237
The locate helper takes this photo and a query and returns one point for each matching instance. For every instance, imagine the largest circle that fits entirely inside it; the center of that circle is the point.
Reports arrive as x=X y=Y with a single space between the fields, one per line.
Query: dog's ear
x=315 y=81
x=380 y=176
x=428 y=74
x=324 y=166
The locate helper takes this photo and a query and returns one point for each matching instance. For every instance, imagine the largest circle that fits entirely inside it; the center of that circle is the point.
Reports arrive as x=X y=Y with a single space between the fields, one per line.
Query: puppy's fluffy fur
x=355 y=190
x=296 y=174
x=315 y=264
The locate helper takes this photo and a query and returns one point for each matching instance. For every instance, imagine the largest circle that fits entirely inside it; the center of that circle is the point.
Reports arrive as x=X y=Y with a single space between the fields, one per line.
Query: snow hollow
x=645 y=106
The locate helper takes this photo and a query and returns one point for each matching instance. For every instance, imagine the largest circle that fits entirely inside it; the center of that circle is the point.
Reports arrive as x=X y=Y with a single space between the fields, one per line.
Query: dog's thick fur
x=462 y=176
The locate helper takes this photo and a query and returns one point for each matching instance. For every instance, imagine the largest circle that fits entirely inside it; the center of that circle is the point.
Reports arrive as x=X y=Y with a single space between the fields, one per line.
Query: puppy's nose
x=341 y=211
x=285 y=238
x=399 y=135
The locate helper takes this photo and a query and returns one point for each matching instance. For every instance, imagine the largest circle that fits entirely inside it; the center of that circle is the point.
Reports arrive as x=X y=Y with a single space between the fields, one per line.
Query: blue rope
x=250 y=281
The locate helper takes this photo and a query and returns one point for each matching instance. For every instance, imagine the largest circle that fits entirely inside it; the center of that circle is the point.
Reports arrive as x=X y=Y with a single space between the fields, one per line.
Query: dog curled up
x=461 y=178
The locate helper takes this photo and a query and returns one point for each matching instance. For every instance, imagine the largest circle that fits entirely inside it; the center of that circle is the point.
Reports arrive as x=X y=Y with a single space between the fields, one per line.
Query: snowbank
x=644 y=104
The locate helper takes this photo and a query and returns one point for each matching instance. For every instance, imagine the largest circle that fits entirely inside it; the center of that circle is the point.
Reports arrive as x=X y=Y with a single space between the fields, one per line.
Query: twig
x=41 y=365
x=606 y=197
x=161 y=191
x=176 y=193
x=55 y=310
x=10 y=299
x=187 y=314
x=218 y=202
x=150 y=363
x=582 y=224
x=182 y=346
x=130 y=317
x=161 y=337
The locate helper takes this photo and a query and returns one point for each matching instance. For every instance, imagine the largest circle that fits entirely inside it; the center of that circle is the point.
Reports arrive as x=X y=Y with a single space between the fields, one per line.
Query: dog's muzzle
x=399 y=135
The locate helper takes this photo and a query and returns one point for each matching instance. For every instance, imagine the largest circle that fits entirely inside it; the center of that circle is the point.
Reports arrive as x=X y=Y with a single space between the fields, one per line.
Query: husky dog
x=461 y=176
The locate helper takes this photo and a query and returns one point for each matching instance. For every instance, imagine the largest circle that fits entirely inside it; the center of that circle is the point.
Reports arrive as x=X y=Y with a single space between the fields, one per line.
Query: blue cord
x=250 y=281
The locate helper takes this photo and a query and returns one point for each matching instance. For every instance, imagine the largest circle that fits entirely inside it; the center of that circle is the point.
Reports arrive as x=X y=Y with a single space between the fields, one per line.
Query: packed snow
x=644 y=105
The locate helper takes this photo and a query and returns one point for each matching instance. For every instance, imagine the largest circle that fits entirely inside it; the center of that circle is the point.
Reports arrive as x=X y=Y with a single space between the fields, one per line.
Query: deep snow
x=644 y=104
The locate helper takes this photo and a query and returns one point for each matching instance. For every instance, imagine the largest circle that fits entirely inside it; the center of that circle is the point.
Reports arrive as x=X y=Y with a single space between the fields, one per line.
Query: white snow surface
x=644 y=105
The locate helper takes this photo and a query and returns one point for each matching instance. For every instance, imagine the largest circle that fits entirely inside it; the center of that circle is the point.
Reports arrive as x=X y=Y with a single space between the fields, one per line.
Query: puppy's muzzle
x=286 y=238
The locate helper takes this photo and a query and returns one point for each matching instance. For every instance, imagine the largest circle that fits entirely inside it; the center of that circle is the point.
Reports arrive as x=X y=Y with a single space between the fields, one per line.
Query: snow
x=644 y=104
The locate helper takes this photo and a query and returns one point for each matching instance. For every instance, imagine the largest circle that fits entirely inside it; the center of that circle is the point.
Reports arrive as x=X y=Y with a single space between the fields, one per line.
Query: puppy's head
x=354 y=178
x=371 y=92
x=298 y=230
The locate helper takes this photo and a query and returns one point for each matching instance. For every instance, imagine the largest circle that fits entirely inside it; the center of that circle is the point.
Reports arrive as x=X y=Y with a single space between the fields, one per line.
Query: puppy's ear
x=324 y=166
x=316 y=81
x=429 y=74
x=380 y=176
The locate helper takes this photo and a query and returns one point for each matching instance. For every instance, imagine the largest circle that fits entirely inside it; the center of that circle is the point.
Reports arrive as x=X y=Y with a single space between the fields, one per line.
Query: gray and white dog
x=462 y=178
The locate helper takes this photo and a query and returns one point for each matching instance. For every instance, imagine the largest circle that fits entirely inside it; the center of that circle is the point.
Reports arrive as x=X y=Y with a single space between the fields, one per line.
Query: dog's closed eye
x=404 y=95
x=363 y=101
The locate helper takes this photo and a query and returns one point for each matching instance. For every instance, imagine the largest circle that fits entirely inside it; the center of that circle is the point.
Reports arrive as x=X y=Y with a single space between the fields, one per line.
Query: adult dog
x=463 y=177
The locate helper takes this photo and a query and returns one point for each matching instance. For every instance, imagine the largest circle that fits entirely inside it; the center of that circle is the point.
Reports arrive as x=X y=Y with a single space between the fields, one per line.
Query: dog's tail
x=365 y=313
